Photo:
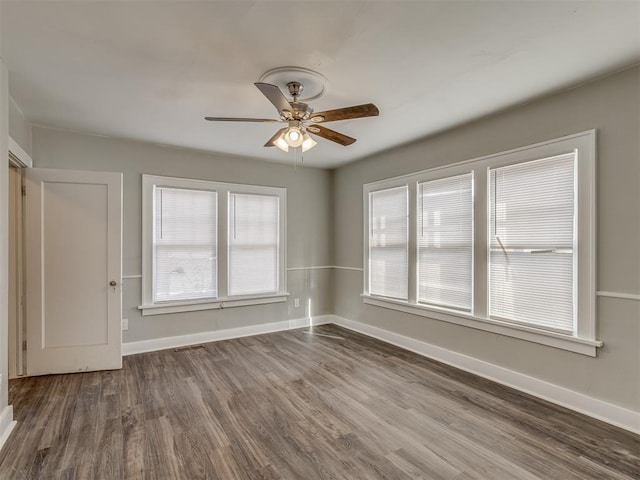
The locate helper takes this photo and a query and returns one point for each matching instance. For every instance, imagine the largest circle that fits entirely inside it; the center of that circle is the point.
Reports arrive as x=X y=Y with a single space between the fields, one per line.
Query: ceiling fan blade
x=357 y=111
x=329 y=134
x=271 y=141
x=236 y=119
x=274 y=95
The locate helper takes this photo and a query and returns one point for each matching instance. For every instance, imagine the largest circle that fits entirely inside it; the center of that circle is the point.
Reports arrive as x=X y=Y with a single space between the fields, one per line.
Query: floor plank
x=291 y=405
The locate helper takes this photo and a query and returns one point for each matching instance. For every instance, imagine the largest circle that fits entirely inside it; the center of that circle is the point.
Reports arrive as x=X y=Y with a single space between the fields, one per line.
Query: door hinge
x=24 y=190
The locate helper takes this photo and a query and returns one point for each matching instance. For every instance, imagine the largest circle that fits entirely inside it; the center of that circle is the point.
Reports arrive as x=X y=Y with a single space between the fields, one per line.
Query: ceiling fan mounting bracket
x=295 y=89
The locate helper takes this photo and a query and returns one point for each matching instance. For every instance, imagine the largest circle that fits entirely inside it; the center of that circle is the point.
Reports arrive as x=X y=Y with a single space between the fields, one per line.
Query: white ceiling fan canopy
x=314 y=83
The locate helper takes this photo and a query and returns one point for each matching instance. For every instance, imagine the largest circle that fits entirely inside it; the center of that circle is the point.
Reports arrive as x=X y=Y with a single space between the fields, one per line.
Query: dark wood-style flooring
x=295 y=406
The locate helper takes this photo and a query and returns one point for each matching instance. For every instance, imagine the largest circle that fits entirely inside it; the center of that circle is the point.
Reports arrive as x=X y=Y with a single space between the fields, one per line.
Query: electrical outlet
x=125 y=324
x=296 y=303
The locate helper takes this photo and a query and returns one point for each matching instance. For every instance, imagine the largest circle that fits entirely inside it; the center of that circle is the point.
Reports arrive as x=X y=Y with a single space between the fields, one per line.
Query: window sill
x=573 y=344
x=217 y=304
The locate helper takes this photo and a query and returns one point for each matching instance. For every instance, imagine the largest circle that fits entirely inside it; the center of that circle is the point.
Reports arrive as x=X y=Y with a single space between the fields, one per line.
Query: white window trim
x=219 y=304
x=223 y=300
x=584 y=341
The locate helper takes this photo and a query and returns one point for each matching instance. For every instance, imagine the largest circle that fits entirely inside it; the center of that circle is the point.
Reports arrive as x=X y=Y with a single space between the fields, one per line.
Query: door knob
x=112 y=283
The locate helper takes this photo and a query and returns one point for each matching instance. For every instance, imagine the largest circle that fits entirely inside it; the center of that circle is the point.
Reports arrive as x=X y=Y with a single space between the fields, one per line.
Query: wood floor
x=295 y=406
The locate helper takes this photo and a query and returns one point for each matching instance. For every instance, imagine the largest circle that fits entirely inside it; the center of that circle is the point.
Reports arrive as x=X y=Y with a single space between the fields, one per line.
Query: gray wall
x=325 y=228
x=612 y=106
x=19 y=126
x=309 y=223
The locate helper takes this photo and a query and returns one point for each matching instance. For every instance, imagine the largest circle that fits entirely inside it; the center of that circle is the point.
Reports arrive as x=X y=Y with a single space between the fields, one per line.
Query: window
x=254 y=238
x=211 y=245
x=445 y=242
x=504 y=243
x=184 y=244
x=531 y=208
x=388 y=243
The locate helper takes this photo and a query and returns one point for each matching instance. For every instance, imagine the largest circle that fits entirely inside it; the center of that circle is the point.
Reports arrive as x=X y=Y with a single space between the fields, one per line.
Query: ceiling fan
x=301 y=119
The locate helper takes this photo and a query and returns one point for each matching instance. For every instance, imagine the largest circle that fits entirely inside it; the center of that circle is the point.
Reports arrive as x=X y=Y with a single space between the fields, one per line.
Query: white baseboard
x=6 y=424
x=607 y=412
x=155 y=344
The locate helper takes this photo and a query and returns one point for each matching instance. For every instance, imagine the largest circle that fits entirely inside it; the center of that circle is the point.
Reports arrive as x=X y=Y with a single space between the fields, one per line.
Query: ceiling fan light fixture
x=307 y=142
x=281 y=143
x=293 y=137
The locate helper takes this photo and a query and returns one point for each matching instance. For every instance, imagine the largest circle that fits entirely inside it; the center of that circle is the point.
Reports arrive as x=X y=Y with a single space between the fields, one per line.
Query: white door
x=73 y=254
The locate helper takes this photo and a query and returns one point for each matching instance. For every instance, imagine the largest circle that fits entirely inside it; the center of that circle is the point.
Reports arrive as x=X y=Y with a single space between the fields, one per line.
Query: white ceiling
x=151 y=70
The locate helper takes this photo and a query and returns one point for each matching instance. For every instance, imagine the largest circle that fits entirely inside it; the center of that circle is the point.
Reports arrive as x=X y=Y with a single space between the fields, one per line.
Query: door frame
x=19 y=159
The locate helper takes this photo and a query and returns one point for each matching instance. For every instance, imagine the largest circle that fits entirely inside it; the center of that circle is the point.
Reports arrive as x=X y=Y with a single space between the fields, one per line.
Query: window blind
x=253 y=243
x=445 y=242
x=532 y=234
x=388 y=243
x=184 y=243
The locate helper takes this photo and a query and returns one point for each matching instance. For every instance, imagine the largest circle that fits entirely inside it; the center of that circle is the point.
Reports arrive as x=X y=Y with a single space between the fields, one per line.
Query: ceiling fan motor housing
x=299 y=111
